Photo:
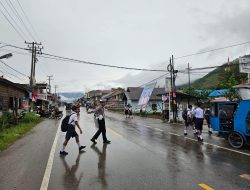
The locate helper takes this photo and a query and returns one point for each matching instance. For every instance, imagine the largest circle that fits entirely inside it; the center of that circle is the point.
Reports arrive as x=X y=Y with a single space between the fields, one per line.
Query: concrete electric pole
x=49 y=78
x=35 y=49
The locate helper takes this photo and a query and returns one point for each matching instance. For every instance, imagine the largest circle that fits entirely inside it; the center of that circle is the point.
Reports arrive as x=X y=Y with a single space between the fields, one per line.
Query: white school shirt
x=198 y=113
x=73 y=118
x=189 y=113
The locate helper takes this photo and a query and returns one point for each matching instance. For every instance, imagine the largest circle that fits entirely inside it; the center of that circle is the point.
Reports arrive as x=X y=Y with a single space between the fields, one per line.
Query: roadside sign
x=244 y=64
x=167 y=84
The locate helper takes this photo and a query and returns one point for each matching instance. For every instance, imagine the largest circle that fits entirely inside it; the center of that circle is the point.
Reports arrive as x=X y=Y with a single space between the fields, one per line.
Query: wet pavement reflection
x=70 y=180
x=146 y=154
x=101 y=164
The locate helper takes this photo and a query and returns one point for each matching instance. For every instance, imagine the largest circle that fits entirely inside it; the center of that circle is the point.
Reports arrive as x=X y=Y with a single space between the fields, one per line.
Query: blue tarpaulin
x=217 y=93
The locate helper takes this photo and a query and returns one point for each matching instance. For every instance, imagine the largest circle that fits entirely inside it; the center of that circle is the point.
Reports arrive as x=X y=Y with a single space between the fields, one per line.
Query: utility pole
x=189 y=86
x=55 y=93
x=170 y=70
x=50 y=76
x=174 y=92
x=35 y=49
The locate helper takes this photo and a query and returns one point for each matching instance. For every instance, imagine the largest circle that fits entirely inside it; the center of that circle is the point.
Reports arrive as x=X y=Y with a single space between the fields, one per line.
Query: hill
x=70 y=96
x=219 y=77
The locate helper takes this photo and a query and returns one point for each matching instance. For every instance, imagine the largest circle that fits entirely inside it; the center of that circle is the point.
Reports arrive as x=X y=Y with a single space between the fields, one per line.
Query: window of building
x=11 y=103
x=1 y=103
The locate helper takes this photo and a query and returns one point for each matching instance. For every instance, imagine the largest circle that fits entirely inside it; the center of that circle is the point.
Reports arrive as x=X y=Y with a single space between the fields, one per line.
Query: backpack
x=65 y=123
x=184 y=114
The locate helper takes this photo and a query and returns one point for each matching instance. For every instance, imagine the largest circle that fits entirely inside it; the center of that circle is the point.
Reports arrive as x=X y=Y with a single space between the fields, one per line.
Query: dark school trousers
x=102 y=129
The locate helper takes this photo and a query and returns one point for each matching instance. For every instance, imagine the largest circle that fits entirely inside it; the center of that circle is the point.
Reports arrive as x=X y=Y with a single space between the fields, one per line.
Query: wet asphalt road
x=148 y=154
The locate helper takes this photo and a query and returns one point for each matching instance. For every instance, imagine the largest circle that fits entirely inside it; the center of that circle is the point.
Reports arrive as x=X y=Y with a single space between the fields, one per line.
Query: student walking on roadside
x=207 y=115
x=130 y=114
x=126 y=110
x=193 y=120
x=71 y=132
x=187 y=116
x=199 y=117
x=99 y=114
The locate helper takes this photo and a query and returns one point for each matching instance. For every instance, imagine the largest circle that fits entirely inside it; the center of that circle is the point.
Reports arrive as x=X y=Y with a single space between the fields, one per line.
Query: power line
x=12 y=74
x=27 y=18
x=212 y=50
x=154 y=80
x=98 y=64
x=59 y=58
x=14 y=69
x=12 y=25
x=6 y=10
x=14 y=10
x=17 y=52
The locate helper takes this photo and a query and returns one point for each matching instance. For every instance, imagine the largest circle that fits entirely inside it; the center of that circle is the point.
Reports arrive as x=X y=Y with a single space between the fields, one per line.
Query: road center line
x=206 y=187
x=46 y=177
x=221 y=147
x=115 y=132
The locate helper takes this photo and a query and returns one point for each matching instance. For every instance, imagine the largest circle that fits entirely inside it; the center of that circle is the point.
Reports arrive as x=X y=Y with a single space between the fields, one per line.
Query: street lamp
x=6 y=56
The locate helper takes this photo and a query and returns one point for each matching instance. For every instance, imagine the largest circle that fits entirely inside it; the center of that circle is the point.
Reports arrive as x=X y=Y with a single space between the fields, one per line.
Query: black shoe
x=199 y=139
x=81 y=147
x=185 y=134
x=210 y=132
x=107 y=142
x=93 y=140
x=63 y=153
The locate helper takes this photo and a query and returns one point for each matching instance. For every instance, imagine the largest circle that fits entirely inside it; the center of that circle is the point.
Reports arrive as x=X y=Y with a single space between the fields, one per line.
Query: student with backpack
x=70 y=129
x=187 y=116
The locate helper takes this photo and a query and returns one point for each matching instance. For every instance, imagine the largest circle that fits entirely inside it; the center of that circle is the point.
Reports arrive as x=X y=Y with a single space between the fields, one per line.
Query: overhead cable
x=154 y=79
x=17 y=25
x=14 y=10
x=212 y=50
x=98 y=64
x=21 y=36
x=27 y=18
x=12 y=74
x=14 y=69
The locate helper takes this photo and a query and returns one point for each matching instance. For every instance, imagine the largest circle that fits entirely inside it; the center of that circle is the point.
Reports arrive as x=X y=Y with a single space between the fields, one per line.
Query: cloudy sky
x=131 y=33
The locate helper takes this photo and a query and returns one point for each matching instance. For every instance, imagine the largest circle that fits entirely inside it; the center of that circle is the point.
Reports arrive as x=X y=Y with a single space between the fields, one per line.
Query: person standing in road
x=187 y=116
x=207 y=114
x=99 y=114
x=130 y=114
x=193 y=120
x=126 y=110
x=199 y=117
x=73 y=122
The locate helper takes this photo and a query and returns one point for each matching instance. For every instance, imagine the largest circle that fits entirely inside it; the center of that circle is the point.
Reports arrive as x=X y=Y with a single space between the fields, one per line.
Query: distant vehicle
x=232 y=119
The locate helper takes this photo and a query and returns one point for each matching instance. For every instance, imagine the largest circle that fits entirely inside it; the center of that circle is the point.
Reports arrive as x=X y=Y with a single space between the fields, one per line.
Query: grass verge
x=11 y=134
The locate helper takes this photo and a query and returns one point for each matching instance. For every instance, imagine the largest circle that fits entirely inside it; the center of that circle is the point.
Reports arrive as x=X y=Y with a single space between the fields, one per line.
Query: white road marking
x=153 y=128
x=46 y=177
x=221 y=147
x=174 y=134
x=158 y=129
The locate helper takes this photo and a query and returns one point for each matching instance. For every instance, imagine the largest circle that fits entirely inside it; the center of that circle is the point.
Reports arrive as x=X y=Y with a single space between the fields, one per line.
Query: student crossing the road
x=73 y=122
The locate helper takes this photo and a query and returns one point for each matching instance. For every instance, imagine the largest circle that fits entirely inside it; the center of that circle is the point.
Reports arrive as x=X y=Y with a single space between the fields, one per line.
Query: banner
x=145 y=95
